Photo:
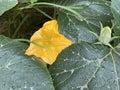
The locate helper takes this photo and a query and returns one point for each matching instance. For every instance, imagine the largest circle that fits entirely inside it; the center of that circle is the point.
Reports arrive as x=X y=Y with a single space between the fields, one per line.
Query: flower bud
x=105 y=35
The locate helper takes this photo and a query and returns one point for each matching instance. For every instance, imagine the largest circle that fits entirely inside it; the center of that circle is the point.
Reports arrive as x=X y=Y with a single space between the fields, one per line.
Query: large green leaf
x=87 y=66
x=116 y=13
x=6 y=5
x=78 y=2
x=93 y=12
x=19 y=72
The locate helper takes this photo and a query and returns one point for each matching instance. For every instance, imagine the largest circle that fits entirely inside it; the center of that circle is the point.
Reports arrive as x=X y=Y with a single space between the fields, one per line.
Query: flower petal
x=52 y=41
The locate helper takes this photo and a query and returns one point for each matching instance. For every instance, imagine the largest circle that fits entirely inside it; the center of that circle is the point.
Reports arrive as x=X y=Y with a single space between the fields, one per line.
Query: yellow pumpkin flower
x=52 y=41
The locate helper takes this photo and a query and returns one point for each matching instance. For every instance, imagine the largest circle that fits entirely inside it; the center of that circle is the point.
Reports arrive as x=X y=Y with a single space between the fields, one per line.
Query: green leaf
x=6 y=5
x=20 y=72
x=115 y=6
x=93 y=12
x=86 y=66
x=78 y=2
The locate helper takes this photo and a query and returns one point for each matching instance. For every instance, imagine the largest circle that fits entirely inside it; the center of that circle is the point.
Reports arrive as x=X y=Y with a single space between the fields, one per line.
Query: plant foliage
x=6 y=5
x=85 y=65
x=19 y=72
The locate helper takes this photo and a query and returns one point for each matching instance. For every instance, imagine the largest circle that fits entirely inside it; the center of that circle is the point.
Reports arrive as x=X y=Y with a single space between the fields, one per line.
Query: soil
x=10 y=21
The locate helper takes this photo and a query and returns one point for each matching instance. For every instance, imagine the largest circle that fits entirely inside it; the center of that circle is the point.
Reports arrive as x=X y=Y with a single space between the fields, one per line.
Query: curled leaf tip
x=52 y=41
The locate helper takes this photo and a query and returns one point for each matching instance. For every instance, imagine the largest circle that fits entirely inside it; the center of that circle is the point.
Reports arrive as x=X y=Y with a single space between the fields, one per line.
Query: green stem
x=28 y=41
x=80 y=17
x=43 y=13
x=19 y=26
x=115 y=37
